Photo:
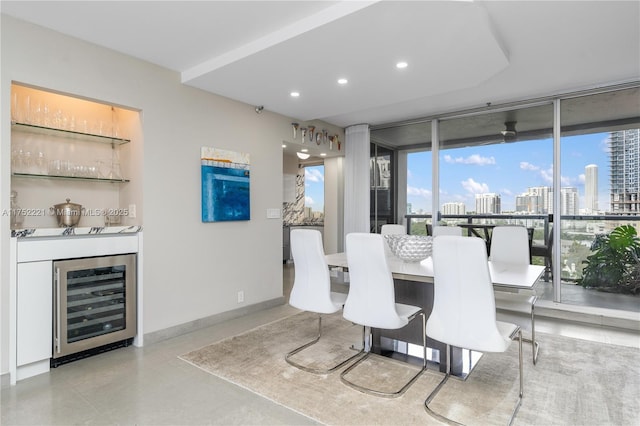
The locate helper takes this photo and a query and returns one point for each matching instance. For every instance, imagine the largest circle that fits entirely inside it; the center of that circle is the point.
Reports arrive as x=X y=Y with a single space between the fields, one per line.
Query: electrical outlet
x=132 y=211
x=240 y=296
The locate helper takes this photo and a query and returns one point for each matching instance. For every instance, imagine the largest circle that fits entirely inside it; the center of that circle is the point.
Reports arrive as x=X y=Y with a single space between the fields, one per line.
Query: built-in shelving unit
x=66 y=147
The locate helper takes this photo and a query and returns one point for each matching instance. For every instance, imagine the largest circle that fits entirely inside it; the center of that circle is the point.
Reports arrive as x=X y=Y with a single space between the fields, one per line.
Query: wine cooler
x=95 y=305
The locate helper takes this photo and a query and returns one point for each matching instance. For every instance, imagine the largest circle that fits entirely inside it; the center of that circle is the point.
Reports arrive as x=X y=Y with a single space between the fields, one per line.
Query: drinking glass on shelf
x=55 y=168
x=115 y=171
x=15 y=107
x=41 y=163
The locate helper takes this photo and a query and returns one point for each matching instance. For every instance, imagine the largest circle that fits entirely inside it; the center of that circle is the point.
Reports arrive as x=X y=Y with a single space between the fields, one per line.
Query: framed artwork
x=225 y=185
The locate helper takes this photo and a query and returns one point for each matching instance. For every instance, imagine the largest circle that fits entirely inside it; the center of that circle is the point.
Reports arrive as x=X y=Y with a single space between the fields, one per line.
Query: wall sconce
x=302 y=155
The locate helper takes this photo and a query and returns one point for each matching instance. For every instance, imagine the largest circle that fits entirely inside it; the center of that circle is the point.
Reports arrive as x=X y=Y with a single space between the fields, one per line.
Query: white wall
x=192 y=269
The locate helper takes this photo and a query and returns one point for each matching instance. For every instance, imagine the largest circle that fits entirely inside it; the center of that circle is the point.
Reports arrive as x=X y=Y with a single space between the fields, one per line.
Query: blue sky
x=506 y=169
x=314 y=187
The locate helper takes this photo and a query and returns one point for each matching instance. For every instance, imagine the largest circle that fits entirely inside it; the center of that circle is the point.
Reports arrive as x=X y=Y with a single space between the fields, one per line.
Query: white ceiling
x=461 y=54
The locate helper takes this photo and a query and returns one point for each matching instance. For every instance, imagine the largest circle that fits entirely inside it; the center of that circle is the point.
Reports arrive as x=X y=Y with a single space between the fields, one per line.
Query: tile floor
x=151 y=386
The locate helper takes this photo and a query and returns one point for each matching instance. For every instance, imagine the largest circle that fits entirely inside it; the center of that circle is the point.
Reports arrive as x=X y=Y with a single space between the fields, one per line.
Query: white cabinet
x=31 y=296
x=34 y=312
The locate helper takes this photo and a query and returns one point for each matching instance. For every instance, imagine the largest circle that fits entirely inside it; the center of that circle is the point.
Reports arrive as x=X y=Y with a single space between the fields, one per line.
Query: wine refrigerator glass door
x=95 y=302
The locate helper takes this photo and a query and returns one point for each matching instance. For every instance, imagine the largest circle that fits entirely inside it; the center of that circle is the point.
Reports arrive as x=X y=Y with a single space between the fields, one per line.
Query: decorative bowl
x=410 y=248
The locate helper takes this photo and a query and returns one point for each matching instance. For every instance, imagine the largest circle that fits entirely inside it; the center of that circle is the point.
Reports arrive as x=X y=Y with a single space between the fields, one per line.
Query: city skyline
x=508 y=170
x=505 y=169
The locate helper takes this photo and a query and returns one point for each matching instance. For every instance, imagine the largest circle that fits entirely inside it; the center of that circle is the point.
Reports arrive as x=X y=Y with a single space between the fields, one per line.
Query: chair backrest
x=447 y=230
x=464 y=312
x=392 y=229
x=510 y=244
x=371 y=298
x=312 y=284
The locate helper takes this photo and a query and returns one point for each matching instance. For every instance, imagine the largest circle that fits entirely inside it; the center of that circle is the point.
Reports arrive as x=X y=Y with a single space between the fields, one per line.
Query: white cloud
x=474 y=187
x=528 y=166
x=581 y=178
x=308 y=201
x=476 y=159
x=418 y=192
x=313 y=175
x=547 y=178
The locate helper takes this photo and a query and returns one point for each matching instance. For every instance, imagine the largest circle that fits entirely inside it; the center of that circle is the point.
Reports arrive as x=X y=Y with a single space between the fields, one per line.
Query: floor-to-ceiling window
x=314 y=192
x=600 y=163
x=497 y=166
x=412 y=173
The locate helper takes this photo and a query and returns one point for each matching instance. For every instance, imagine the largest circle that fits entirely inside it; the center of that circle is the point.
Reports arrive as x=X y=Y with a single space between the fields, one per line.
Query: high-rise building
x=454 y=208
x=488 y=203
x=537 y=200
x=569 y=201
x=624 y=158
x=591 y=189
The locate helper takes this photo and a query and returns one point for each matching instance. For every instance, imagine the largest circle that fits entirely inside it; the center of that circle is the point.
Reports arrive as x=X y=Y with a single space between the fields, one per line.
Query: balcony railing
x=577 y=232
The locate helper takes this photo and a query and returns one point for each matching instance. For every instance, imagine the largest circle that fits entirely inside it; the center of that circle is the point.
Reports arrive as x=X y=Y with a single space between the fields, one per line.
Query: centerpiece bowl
x=410 y=248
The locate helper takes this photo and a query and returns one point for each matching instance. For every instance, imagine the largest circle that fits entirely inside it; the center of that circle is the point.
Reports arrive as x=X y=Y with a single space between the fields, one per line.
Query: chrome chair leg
x=433 y=393
x=406 y=386
x=521 y=373
x=535 y=346
x=311 y=343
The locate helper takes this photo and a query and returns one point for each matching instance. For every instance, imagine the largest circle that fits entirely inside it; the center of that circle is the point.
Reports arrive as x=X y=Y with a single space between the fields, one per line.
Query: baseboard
x=585 y=314
x=178 y=330
x=5 y=380
x=589 y=314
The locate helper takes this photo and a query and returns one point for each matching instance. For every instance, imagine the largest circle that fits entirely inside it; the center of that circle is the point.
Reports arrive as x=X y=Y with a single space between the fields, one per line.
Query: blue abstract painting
x=225 y=185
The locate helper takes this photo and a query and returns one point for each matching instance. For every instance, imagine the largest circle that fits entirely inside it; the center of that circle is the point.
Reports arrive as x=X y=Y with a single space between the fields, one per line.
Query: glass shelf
x=91 y=179
x=69 y=134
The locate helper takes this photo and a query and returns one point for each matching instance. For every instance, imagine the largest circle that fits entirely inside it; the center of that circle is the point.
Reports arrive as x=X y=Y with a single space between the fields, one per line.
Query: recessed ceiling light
x=323 y=154
x=284 y=146
x=304 y=150
x=401 y=65
x=342 y=81
x=295 y=94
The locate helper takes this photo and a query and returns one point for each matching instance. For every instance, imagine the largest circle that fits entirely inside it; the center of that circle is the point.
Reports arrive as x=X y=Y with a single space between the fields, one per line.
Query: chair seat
x=514 y=301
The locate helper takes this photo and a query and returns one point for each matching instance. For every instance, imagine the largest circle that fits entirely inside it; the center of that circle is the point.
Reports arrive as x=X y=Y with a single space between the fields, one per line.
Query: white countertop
x=65 y=232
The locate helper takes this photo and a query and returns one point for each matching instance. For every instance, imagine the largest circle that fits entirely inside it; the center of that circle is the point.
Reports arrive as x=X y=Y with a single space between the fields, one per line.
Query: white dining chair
x=312 y=289
x=371 y=302
x=446 y=230
x=510 y=244
x=464 y=313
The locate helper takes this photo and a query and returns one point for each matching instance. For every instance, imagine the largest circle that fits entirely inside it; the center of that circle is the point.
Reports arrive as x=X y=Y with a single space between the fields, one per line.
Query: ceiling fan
x=509 y=133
